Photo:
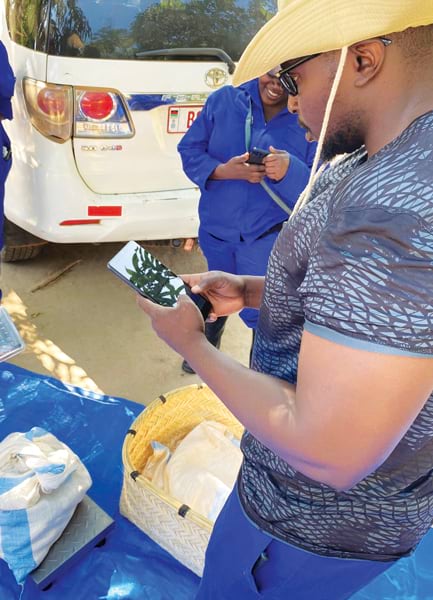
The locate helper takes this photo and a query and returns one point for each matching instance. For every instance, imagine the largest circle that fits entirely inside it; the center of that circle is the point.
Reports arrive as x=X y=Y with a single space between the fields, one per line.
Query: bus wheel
x=19 y=244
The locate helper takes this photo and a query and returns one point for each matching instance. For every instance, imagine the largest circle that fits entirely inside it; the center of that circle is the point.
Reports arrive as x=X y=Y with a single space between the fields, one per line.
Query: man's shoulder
x=398 y=177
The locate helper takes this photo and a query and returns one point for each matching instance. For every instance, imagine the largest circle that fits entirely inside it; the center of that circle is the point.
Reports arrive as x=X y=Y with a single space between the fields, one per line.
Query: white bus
x=105 y=89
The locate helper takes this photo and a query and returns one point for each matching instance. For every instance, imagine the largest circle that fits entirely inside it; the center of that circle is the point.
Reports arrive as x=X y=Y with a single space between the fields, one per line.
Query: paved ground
x=84 y=328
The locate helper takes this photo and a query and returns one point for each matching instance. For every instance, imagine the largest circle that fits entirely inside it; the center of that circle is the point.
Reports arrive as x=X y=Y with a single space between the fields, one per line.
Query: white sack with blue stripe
x=41 y=483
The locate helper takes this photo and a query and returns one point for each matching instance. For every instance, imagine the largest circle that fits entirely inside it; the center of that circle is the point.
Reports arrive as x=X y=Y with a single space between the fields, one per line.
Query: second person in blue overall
x=239 y=218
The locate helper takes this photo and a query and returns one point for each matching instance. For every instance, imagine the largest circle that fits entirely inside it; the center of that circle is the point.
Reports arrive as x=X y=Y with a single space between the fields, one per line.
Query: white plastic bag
x=201 y=471
x=41 y=483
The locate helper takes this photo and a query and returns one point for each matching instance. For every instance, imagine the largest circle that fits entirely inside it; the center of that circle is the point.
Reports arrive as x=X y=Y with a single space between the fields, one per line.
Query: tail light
x=97 y=106
x=60 y=111
x=50 y=108
x=101 y=113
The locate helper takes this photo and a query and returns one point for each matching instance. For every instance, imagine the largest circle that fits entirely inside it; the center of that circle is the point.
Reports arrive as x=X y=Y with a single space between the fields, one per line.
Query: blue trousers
x=240 y=258
x=243 y=563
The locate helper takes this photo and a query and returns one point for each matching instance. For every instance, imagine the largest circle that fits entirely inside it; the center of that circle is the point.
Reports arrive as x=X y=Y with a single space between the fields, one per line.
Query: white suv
x=105 y=89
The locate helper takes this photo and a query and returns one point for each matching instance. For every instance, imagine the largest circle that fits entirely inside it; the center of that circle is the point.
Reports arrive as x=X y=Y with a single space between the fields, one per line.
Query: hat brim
x=306 y=27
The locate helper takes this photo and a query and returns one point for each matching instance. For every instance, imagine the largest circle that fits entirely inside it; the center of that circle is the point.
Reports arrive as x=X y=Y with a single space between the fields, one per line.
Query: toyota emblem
x=215 y=78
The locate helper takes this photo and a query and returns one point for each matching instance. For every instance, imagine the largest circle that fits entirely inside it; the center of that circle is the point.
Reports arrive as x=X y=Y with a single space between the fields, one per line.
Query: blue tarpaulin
x=130 y=566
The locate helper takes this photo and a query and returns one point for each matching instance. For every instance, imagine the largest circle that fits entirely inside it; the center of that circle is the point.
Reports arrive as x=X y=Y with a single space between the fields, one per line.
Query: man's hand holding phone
x=175 y=310
x=148 y=276
x=179 y=326
x=224 y=291
x=178 y=305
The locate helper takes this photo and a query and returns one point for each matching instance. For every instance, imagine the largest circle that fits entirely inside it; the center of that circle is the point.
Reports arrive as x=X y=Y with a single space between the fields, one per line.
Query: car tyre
x=19 y=244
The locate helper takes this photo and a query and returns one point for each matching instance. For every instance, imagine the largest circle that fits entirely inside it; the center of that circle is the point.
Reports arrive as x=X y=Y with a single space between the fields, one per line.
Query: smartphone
x=256 y=156
x=137 y=267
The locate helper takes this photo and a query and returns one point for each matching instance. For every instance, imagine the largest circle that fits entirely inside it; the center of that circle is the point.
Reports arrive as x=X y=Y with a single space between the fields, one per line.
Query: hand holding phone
x=142 y=271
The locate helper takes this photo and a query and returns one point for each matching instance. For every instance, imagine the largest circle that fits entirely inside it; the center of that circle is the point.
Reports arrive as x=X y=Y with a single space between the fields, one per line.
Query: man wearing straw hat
x=337 y=480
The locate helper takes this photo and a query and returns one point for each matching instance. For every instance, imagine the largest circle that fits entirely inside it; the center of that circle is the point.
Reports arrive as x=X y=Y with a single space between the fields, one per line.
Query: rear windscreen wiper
x=179 y=52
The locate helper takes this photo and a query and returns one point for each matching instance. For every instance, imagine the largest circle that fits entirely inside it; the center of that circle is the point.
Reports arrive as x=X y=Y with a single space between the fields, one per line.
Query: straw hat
x=303 y=27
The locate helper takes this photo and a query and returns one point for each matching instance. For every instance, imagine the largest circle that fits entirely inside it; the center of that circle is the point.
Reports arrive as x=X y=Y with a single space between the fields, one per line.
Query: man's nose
x=292 y=104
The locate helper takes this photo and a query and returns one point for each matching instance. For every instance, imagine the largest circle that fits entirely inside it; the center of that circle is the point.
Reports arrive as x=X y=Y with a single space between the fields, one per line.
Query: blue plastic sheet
x=131 y=566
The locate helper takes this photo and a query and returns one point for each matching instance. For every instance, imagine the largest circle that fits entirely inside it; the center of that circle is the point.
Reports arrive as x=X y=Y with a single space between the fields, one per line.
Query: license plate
x=180 y=118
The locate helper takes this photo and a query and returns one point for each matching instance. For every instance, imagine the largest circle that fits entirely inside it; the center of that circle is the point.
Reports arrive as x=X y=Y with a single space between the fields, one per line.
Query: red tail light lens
x=52 y=102
x=97 y=106
x=101 y=113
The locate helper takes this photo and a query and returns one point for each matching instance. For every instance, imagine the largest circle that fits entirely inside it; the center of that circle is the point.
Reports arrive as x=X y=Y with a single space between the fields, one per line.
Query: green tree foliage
x=225 y=24
x=26 y=22
x=67 y=18
x=200 y=23
x=114 y=43
x=22 y=21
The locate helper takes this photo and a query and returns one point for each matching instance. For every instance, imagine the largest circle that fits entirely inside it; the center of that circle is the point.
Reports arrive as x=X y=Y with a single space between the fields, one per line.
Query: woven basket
x=180 y=530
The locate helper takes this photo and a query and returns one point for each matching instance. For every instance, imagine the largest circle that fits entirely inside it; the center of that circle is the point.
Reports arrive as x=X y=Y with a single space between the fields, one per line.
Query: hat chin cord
x=304 y=197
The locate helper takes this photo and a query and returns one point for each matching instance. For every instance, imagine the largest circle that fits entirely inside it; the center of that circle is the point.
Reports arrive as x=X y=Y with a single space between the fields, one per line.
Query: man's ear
x=367 y=58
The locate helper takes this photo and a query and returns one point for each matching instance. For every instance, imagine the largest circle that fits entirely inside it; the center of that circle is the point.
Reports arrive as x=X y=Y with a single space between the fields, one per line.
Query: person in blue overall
x=240 y=204
x=7 y=83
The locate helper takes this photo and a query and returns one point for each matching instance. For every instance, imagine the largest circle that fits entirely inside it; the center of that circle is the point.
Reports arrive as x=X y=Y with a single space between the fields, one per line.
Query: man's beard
x=347 y=138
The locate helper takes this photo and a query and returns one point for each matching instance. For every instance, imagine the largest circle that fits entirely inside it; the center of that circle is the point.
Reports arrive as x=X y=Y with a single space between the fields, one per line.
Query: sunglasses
x=289 y=81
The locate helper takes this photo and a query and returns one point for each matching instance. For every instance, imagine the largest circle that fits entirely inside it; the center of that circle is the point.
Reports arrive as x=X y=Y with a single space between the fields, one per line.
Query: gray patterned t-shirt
x=355 y=266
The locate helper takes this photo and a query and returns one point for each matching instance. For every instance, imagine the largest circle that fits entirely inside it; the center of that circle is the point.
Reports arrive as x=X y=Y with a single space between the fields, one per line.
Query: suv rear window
x=27 y=22
x=121 y=29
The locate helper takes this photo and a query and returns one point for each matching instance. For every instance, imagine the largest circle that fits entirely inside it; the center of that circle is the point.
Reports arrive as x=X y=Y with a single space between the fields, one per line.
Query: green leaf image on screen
x=154 y=279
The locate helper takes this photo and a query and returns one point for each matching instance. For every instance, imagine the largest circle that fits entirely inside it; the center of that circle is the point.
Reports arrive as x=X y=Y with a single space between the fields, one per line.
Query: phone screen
x=151 y=278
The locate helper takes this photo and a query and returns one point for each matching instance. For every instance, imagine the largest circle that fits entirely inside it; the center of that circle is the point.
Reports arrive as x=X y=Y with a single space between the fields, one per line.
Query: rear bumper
x=40 y=196
x=140 y=219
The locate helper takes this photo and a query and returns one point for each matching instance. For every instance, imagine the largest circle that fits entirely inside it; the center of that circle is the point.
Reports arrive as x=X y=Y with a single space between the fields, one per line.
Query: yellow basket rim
x=191 y=514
